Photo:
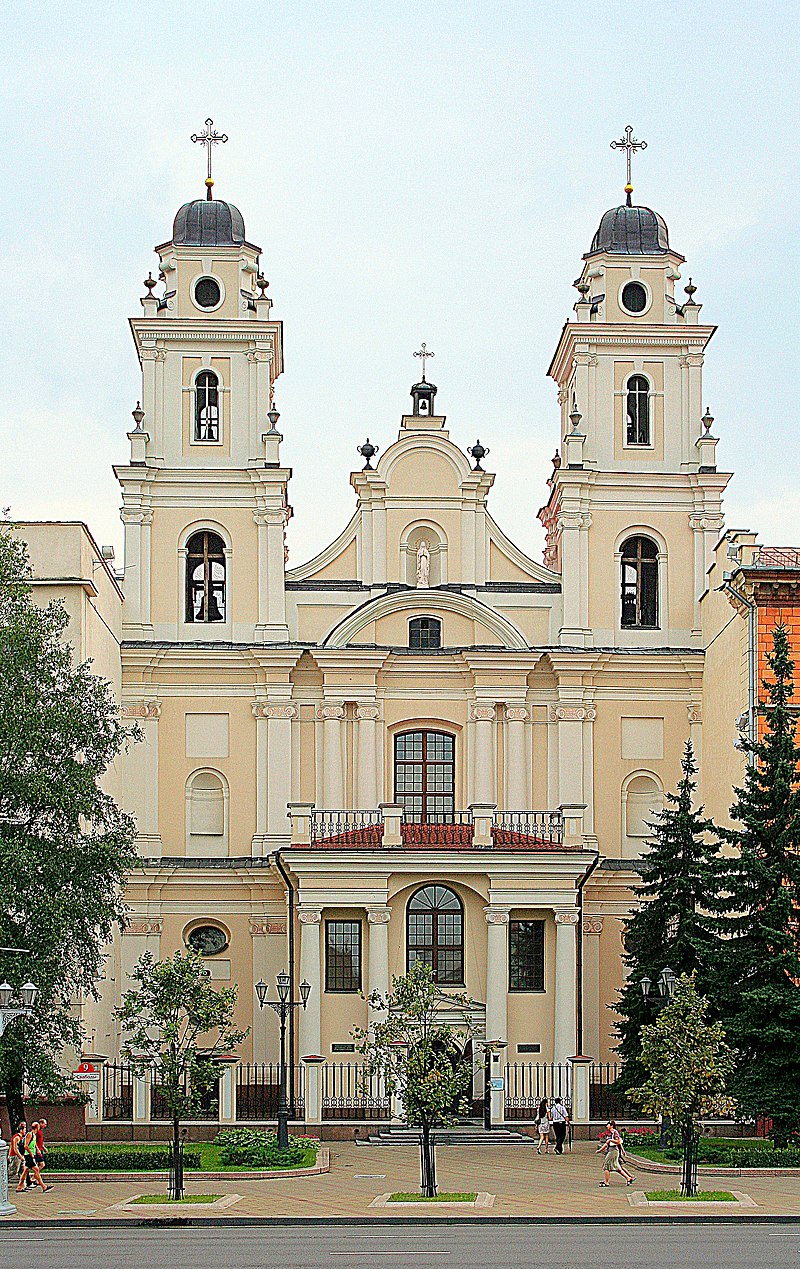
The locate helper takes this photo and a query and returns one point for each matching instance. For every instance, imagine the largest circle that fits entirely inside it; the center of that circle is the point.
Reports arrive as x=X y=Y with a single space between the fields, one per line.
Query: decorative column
x=517 y=787
x=367 y=797
x=378 y=922
x=496 y=998
x=592 y=929
x=140 y=776
x=695 y=716
x=274 y=770
x=570 y=720
x=483 y=717
x=332 y=756
x=565 y=1003
x=311 y=971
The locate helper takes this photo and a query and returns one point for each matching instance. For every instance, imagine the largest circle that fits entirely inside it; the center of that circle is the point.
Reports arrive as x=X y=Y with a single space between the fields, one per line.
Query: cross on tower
x=630 y=145
x=424 y=354
x=209 y=138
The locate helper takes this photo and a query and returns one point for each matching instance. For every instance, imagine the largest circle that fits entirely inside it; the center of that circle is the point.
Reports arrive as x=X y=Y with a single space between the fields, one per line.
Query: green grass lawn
x=440 y=1198
x=210 y=1160
x=712 y=1150
x=163 y=1198
x=702 y=1196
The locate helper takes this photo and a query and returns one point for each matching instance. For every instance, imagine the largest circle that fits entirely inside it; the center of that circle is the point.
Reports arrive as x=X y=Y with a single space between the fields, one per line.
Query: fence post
x=95 y=1090
x=226 y=1097
x=580 y=1088
x=300 y=815
x=392 y=818
x=483 y=820
x=313 y=1063
x=141 y=1098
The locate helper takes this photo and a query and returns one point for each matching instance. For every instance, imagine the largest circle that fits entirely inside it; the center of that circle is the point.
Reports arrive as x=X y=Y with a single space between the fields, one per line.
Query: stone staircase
x=466 y=1135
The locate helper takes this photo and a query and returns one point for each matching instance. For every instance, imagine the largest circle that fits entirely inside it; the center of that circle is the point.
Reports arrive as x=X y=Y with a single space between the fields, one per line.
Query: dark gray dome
x=631 y=231
x=208 y=223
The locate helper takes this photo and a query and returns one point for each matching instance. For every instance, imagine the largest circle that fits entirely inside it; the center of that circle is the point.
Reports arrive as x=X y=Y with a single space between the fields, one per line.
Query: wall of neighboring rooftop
x=724 y=691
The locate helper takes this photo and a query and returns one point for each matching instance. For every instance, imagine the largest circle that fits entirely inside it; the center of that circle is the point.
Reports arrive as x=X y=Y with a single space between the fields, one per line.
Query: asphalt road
x=760 y=1246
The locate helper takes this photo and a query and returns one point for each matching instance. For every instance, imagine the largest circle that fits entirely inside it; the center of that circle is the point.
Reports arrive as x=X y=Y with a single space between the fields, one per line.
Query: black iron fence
x=541 y=826
x=207 y=1106
x=528 y=1084
x=258 y=1089
x=348 y=1092
x=605 y=1102
x=117 y=1090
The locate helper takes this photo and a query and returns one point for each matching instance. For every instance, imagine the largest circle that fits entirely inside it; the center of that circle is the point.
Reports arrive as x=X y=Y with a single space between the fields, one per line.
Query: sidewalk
x=524 y=1185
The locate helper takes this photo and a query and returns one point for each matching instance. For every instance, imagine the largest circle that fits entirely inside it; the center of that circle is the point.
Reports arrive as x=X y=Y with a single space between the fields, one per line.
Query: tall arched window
x=638 y=411
x=206 y=406
x=435 y=933
x=424 y=776
x=205 y=577
x=640 y=583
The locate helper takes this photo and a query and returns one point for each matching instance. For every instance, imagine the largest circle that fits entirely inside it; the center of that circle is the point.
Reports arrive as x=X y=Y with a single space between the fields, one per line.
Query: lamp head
x=283 y=982
x=28 y=994
x=647 y=983
x=6 y=992
x=667 y=982
x=305 y=992
x=261 y=992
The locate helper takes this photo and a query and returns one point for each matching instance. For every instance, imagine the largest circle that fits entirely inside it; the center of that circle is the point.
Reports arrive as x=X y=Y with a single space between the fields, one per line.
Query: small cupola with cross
x=423 y=393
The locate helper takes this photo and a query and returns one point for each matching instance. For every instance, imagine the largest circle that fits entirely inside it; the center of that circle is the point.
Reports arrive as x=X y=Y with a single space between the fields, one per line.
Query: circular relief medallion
x=207 y=940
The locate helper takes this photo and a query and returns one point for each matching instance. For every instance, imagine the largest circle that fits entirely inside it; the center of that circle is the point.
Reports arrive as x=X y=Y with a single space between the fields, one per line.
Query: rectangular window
x=526 y=956
x=342 y=955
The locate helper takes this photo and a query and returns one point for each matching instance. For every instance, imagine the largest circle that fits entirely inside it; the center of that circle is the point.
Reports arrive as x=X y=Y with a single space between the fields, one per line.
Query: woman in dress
x=543 y=1123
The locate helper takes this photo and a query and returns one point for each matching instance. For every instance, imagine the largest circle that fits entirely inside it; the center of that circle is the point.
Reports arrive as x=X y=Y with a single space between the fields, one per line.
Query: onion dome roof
x=208 y=223
x=631 y=231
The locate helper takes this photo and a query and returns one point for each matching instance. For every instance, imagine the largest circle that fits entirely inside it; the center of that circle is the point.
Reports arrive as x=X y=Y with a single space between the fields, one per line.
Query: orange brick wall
x=768 y=617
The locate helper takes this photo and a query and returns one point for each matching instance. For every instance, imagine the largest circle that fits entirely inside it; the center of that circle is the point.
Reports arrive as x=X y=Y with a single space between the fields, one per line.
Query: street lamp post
x=666 y=989
x=10 y=1009
x=283 y=1007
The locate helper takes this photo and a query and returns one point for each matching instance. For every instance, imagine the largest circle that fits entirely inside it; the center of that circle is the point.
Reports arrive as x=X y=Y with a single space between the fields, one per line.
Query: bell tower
x=204 y=493
x=635 y=496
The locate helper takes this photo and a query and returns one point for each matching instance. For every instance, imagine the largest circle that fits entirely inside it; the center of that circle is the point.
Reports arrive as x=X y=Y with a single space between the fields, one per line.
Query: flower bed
x=253 y=1148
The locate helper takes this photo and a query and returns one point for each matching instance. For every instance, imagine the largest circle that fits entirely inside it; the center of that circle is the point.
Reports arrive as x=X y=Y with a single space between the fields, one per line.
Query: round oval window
x=634 y=297
x=207 y=940
x=207 y=293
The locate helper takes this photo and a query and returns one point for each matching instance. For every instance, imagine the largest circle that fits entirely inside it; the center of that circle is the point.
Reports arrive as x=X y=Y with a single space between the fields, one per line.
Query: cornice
x=606 y=335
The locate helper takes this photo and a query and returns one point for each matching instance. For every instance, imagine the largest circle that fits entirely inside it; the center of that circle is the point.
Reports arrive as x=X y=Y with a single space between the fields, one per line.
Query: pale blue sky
x=424 y=171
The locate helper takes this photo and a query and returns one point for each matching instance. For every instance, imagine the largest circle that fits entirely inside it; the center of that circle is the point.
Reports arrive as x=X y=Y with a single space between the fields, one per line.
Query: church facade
x=422 y=743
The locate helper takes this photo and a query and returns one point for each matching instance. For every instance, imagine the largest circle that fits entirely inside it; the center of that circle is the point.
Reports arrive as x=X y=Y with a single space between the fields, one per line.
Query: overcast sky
x=418 y=171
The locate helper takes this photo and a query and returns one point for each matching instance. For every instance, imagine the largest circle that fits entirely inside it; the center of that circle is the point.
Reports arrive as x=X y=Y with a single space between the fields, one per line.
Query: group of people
x=555 y=1117
x=26 y=1153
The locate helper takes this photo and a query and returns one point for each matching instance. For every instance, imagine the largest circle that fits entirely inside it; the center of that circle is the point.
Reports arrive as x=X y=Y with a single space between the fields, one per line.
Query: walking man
x=15 y=1148
x=614 y=1154
x=560 y=1118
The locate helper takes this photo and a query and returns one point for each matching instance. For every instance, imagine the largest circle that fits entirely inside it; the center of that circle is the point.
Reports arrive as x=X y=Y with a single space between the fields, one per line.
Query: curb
x=707 y=1169
x=274 y=1222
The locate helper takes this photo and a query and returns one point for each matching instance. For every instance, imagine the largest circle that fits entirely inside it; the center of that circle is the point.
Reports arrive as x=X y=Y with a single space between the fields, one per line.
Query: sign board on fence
x=497 y=1083
x=88 y=1072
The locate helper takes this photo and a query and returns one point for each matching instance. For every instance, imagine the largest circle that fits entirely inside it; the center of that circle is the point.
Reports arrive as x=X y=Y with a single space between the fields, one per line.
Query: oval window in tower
x=634 y=297
x=207 y=293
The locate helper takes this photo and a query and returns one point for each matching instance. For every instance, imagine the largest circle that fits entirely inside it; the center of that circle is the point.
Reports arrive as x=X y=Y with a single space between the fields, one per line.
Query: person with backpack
x=543 y=1126
x=559 y=1116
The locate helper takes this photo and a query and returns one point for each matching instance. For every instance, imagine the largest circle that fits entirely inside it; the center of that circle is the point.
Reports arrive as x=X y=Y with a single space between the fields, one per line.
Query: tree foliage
x=670 y=925
x=757 y=983
x=686 y=1059
x=65 y=845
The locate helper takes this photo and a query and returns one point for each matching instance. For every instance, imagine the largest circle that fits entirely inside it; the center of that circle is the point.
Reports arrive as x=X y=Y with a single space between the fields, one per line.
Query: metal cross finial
x=209 y=138
x=424 y=354
x=630 y=145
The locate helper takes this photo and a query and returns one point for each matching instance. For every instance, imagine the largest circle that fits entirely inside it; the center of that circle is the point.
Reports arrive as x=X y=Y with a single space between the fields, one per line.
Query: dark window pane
x=343 y=956
x=526 y=956
x=205 y=577
x=207 y=293
x=639 y=583
x=634 y=297
x=424 y=633
x=435 y=932
x=638 y=411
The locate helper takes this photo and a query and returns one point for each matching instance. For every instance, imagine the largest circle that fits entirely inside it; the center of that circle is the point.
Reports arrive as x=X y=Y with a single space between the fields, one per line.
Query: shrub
x=252 y=1148
x=105 y=1157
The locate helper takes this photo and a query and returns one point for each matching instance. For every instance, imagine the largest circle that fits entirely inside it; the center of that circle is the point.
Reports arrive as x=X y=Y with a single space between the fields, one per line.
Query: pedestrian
x=31 y=1167
x=543 y=1125
x=614 y=1152
x=560 y=1120
x=15 y=1148
x=41 y=1149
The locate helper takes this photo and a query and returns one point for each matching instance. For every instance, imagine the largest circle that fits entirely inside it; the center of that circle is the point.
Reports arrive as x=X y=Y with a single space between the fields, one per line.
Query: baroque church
x=421 y=744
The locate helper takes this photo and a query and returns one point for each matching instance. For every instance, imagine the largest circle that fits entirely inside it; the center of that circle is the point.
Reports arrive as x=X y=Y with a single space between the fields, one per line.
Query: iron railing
x=258 y=1088
x=208 y=1107
x=117 y=1090
x=347 y=828
x=349 y=1091
x=520 y=828
x=528 y=1084
x=605 y=1101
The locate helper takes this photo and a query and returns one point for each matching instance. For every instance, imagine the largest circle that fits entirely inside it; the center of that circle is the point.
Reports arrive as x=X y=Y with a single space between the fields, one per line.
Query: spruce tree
x=757 y=983
x=670 y=925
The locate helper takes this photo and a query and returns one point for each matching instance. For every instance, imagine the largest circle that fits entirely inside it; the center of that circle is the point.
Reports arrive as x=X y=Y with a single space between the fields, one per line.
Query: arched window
x=424 y=776
x=424 y=633
x=206 y=406
x=640 y=583
x=205 y=577
x=435 y=933
x=638 y=411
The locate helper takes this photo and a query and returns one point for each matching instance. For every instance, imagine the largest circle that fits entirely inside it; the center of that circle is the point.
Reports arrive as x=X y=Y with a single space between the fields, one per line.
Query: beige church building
x=422 y=743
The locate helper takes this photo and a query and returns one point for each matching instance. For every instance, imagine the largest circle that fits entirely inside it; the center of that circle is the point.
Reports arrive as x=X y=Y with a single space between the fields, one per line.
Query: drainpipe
x=751 y=663
x=579 y=957
x=290 y=951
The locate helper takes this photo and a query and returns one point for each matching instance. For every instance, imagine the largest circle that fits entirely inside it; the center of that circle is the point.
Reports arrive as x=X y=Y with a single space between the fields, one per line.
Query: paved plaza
x=523 y=1183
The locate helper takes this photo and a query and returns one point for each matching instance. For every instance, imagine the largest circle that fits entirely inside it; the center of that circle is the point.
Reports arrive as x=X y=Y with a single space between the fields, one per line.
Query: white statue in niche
x=423 y=565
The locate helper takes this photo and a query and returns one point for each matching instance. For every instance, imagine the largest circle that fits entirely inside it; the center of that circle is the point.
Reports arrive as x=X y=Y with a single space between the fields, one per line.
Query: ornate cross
x=630 y=145
x=424 y=354
x=209 y=138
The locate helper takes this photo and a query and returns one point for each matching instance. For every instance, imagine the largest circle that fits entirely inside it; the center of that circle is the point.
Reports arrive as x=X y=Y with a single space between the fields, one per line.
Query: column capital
x=309 y=916
x=495 y=915
x=368 y=712
x=593 y=924
x=572 y=713
x=330 y=712
x=142 y=709
x=260 y=710
x=482 y=713
x=567 y=917
x=516 y=714
x=378 y=916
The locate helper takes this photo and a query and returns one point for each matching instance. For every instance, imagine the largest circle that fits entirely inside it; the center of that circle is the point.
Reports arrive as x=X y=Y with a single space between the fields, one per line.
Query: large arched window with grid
x=435 y=933
x=640 y=583
x=424 y=776
x=205 y=577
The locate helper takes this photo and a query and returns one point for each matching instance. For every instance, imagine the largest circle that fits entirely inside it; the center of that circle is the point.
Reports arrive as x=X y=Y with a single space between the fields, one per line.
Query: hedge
x=101 y=1157
x=252 y=1148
